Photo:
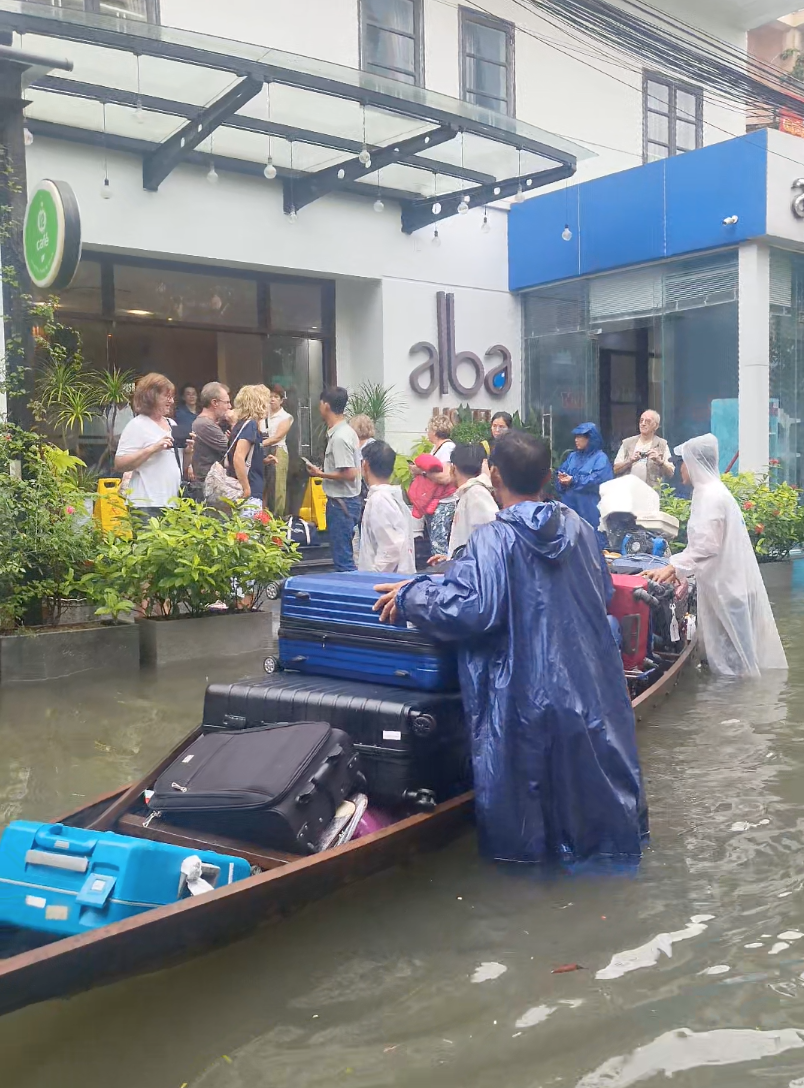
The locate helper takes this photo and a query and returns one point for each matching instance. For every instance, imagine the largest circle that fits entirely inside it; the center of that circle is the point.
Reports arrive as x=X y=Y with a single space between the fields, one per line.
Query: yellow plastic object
x=314 y=504
x=110 y=508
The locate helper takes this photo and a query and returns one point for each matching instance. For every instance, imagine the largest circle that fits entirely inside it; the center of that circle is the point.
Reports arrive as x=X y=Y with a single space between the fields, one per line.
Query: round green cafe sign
x=52 y=235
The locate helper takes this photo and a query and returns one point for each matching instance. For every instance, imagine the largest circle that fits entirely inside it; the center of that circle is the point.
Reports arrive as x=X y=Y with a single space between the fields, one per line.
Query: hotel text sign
x=440 y=369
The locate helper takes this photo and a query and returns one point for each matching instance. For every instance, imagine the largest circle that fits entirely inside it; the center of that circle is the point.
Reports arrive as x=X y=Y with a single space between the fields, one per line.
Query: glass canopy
x=175 y=96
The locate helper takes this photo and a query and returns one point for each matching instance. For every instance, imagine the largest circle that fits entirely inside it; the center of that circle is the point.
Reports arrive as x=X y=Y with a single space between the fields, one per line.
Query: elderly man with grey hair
x=210 y=427
x=646 y=456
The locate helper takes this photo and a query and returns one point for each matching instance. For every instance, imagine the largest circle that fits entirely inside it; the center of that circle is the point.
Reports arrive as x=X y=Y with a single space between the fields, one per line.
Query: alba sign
x=440 y=369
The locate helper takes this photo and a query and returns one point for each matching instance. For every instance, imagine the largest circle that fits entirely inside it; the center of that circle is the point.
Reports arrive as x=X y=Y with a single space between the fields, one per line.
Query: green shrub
x=47 y=537
x=187 y=560
x=402 y=474
x=471 y=431
x=773 y=515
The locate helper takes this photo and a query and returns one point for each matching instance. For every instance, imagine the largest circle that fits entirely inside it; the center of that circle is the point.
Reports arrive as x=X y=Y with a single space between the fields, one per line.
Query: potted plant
x=195 y=580
x=46 y=542
x=377 y=401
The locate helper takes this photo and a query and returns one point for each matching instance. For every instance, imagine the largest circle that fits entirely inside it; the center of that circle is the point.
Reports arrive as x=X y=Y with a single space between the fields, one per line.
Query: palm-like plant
x=377 y=401
x=113 y=389
x=66 y=397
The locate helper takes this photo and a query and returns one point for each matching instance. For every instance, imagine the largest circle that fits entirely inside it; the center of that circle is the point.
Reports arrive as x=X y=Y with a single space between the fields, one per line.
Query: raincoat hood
x=547 y=530
x=595 y=437
x=702 y=458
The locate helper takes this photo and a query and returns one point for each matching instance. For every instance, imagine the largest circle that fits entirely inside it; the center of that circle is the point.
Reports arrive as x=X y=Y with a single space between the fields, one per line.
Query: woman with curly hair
x=245 y=459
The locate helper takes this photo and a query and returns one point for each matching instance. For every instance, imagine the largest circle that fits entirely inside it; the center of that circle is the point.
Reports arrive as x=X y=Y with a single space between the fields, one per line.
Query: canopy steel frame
x=299 y=193
x=153 y=45
x=113 y=96
x=160 y=163
x=129 y=145
x=419 y=213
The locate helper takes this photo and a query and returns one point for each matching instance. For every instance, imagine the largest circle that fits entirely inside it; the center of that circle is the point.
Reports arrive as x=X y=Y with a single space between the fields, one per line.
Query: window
x=673 y=117
x=487 y=62
x=391 y=39
x=129 y=11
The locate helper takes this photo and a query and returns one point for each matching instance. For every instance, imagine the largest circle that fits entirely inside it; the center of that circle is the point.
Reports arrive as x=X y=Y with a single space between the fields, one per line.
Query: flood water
x=441 y=974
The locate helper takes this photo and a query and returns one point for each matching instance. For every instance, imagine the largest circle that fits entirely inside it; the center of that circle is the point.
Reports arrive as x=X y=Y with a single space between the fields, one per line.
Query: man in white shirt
x=646 y=456
x=474 y=500
x=386 y=534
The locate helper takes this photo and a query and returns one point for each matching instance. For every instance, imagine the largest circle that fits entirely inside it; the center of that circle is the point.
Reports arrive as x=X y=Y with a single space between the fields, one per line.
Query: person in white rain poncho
x=734 y=614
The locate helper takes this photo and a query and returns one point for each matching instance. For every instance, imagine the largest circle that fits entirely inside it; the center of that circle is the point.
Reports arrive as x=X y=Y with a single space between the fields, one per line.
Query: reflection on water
x=442 y=973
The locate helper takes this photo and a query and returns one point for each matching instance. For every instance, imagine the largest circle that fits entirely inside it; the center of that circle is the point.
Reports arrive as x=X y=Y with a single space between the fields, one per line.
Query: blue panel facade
x=664 y=209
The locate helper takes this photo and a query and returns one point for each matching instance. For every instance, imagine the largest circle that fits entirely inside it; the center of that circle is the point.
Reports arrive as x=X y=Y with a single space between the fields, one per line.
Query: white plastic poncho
x=734 y=614
x=386 y=533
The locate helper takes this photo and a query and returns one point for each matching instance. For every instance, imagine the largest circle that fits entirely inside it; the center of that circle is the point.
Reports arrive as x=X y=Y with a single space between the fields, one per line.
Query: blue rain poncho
x=589 y=469
x=552 y=729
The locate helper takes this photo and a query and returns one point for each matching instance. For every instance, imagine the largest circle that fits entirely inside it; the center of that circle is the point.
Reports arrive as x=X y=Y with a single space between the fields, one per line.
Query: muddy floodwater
x=441 y=974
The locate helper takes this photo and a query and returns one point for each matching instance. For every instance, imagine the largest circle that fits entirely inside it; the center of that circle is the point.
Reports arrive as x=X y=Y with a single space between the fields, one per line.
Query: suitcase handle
x=302 y=595
x=54 y=839
x=403 y=674
x=298 y=660
x=321 y=775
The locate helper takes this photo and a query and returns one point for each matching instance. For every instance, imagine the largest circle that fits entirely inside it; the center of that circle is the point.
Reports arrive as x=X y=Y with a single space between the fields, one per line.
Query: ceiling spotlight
x=212 y=175
x=463 y=207
x=365 y=156
x=379 y=207
x=106 y=190
x=519 y=196
x=566 y=233
x=436 y=239
x=485 y=226
x=270 y=169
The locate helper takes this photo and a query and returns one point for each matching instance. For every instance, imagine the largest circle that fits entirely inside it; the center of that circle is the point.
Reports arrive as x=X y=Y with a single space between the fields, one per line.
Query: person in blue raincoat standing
x=553 y=738
x=582 y=473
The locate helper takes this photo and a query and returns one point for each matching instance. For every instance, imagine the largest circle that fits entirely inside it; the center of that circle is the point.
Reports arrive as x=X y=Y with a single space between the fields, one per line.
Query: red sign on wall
x=791 y=123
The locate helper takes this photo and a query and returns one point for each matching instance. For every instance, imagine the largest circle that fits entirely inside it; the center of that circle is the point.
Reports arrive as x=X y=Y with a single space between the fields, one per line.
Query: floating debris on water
x=718 y=969
x=487 y=972
x=648 y=954
x=537 y=1015
x=780 y=946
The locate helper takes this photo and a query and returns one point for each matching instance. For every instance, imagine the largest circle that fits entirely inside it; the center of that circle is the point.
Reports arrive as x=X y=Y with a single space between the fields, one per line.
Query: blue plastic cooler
x=66 y=880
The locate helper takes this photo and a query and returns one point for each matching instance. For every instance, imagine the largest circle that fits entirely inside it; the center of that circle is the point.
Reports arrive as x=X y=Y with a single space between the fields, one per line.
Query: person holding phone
x=646 y=456
x=341 y=476
x=147 y=448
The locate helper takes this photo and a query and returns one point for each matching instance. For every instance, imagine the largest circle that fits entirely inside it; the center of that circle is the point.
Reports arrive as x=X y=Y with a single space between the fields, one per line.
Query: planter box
x=218 y=634
x=50 y=653
x=777 y=575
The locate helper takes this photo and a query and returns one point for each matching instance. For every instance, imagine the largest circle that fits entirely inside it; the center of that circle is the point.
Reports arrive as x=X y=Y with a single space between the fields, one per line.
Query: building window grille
x=127 y=11
x=673 y=117
x=487 y=62
x=391 y=39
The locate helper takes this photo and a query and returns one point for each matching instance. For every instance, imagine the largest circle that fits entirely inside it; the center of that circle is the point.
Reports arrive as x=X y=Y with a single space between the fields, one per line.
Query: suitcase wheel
x=273 y=591
x=424 y=725
x=271 y=665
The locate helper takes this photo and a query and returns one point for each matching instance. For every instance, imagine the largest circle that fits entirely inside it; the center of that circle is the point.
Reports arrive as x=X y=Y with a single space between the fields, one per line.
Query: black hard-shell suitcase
x=414 y=746
x=276 y=786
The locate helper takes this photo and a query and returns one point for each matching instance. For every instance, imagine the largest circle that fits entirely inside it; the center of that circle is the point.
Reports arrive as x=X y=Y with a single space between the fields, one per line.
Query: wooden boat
x=161 y=936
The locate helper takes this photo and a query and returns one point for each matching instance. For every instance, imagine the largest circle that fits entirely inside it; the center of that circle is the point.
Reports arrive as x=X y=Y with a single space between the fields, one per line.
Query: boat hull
x=159 y=937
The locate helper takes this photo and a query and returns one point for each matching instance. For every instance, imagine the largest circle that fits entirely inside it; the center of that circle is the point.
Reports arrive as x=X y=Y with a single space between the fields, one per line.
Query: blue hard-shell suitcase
x=328 y=628
x=67 y=880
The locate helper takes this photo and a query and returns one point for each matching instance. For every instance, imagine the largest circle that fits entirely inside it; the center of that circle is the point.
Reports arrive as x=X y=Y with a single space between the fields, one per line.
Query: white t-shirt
x=273 y=423
x=444 y=452
x=158 y=480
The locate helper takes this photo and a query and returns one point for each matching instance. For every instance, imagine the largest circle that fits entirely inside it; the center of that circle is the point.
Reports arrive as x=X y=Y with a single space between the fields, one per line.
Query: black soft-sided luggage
x=277 y=786
x=414 y=746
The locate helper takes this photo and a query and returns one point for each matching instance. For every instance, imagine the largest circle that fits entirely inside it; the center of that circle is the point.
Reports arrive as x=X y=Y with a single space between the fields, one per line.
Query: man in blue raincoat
x=552 y=729
x=582 y=473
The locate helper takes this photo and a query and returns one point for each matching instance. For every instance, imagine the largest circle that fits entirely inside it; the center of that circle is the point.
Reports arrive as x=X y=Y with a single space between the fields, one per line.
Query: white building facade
x=225 y=279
